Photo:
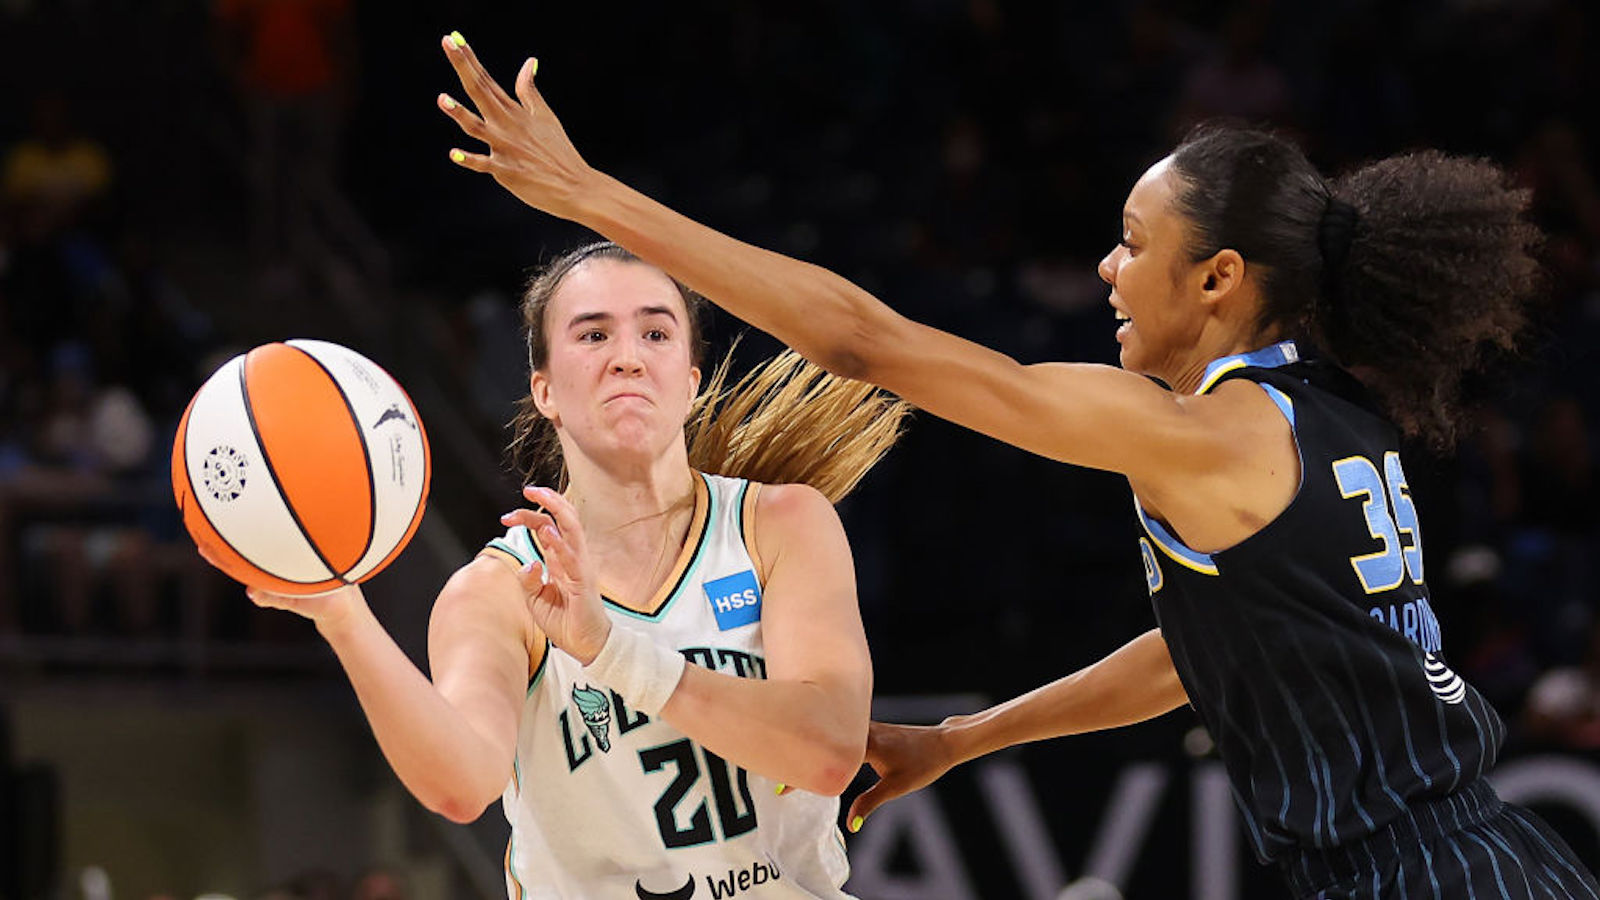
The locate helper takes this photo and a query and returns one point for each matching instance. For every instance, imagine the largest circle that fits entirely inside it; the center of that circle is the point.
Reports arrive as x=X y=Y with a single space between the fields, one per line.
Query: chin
x=1128 y=358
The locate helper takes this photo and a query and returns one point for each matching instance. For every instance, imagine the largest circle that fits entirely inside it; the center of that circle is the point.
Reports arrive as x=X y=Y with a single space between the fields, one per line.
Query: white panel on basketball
x=390 y=425
x=229 y=478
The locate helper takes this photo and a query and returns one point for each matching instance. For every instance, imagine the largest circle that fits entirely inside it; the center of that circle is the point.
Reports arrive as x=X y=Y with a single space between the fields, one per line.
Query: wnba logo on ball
x=223 y=473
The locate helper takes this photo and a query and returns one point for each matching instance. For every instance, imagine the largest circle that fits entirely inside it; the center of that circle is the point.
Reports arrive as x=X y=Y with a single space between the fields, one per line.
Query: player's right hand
x=325 y=609
x=907 y=758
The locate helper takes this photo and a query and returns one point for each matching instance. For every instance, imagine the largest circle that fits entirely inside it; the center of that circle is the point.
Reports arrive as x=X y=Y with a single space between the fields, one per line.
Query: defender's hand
x=907 y=758
x=529 y=152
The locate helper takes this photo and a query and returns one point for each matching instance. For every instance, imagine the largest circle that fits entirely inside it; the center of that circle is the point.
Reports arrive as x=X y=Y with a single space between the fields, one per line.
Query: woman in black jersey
x=1282 y=550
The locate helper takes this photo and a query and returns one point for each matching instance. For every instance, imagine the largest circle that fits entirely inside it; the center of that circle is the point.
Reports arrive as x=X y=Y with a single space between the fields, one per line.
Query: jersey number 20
x=680 y=755
x=1385 y=569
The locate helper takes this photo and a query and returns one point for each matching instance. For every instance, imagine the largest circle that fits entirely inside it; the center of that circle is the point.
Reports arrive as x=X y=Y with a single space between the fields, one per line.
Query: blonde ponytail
x=785 y=422
x=789 y=421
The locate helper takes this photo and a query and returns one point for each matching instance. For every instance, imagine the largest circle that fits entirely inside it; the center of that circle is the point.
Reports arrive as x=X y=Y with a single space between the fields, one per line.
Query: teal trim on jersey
x=505 y=546
x=712 y=510
x=1279 y=354
x=1173 y=547
x=511 y=854
x=544 y=662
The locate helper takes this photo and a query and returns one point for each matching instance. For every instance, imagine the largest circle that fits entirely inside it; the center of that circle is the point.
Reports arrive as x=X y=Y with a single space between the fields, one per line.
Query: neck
x=628 y=504
x=1187 y=376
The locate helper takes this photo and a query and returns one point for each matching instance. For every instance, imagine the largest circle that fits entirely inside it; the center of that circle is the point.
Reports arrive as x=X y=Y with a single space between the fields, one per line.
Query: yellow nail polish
x=778 y=790
x=457 y=39
x=449 y=103
x=457 y=156
x=855 y=824
x=535 y=66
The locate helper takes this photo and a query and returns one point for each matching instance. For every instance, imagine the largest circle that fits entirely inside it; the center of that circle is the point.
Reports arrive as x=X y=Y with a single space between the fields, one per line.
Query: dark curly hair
x=1411 y=271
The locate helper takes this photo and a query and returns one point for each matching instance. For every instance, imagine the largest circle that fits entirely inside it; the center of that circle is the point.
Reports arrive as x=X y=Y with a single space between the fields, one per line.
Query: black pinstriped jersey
x=1309 y=649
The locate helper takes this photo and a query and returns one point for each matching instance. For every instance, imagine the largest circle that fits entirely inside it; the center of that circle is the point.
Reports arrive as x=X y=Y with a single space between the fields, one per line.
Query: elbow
x=459 y=807
x=833 y=780
x=859 y=343
x=835 y=766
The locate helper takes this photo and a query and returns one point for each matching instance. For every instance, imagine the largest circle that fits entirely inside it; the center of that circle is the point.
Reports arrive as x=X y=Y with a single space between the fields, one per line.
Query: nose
x=627 y=360
x=1108 y=266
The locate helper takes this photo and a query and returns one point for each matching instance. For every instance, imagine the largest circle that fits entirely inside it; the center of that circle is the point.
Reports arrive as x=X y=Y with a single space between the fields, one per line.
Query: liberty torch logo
x=596 y=710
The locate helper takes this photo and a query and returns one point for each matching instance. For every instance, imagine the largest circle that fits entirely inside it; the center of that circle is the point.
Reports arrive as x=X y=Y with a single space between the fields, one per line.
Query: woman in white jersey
x=639 y=667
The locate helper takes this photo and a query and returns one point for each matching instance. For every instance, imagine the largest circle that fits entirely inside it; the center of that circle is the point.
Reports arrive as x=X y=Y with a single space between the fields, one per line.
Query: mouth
x=1124 y=321
x=626 y=396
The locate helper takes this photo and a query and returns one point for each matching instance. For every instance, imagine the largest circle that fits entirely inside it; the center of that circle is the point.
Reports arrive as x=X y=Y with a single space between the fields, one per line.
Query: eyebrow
x=644 y=312
x=1131 y=216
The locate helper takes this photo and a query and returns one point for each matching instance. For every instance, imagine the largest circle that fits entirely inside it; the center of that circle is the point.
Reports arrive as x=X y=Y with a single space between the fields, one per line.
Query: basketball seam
x=366 y=459
x=188 y=476
x=266 y=460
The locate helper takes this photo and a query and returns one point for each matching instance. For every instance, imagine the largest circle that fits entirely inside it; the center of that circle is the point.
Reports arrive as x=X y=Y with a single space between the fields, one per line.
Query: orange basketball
x=300 y=467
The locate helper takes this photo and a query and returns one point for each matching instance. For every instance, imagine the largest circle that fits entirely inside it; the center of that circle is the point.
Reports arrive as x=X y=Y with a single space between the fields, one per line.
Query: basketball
x=301 y=466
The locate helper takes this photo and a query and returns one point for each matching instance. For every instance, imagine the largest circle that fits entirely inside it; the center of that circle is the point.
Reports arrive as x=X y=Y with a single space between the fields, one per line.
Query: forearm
x=1133 y=684
x=795 y=732
x=448 y=765
x=823 y=316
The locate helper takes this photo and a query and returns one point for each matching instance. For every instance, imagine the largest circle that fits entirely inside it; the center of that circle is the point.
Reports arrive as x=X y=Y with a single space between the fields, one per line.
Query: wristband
x=641 y=670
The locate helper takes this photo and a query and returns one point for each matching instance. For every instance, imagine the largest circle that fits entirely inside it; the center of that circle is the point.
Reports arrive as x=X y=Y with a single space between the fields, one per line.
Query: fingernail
x=779 y=790
x=448 y=102
x=457 y=39
x=456 y=156
x=535 y=66
x=855 y=824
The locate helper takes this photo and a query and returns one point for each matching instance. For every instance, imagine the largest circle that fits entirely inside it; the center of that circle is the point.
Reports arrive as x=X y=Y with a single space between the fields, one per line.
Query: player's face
x=620 y=374
x=1159 y=323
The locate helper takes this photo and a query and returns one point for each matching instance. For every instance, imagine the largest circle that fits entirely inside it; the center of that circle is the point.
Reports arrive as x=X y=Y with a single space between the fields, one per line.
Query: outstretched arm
x=1133 y=684
x=451 y=740
x=1089 y=415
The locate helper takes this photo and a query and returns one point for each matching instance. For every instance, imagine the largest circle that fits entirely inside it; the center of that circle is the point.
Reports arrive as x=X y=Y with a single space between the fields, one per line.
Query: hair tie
x=1334 y=233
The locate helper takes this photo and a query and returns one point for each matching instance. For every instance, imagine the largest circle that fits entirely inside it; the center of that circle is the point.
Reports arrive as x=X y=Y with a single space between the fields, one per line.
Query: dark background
x=165 y=202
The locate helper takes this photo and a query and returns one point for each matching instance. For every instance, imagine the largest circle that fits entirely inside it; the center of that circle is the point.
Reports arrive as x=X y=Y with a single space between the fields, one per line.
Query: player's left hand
x=529 y=152
x=564 y=593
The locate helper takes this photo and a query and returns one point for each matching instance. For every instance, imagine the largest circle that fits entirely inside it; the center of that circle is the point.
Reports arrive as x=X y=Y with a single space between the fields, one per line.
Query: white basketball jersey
x=606 y=802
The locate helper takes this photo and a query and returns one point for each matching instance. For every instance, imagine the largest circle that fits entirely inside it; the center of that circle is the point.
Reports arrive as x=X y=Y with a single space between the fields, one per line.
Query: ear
x=1221 y=276
x=694 y=383
x=539 y=389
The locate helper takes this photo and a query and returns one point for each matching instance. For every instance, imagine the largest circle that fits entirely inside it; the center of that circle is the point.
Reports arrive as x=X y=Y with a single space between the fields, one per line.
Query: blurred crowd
x=965 y=159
